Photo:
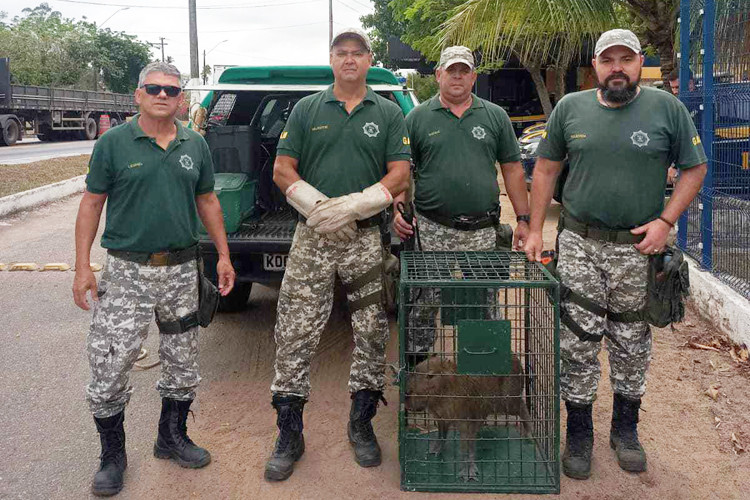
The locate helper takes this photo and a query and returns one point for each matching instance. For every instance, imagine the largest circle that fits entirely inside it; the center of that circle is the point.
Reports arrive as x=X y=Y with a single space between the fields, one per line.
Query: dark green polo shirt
x=339 y=152
x=150 y=192
x=455 y=157
x=619 y=156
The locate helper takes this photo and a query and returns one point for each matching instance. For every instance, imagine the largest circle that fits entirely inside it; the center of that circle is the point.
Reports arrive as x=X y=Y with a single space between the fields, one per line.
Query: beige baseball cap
x=613 y=38
x=355 y=33
x=456 y=54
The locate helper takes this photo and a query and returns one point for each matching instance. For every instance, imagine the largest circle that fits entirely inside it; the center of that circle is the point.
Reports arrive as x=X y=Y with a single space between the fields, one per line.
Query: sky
x=232 y=32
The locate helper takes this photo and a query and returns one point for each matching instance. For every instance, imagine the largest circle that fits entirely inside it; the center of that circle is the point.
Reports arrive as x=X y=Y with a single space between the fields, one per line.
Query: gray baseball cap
x=612 y=38
x=456 y=54
x=355 y=33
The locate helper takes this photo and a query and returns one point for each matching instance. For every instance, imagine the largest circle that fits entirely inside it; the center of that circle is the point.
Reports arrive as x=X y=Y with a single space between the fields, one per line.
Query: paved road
x=47 y=436
x=31 y=150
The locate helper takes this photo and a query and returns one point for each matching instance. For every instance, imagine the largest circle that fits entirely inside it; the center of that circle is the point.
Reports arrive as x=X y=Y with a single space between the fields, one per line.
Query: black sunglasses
x=154 y=89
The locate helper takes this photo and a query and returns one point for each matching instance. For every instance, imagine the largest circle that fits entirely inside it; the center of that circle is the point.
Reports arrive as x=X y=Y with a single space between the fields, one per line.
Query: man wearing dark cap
x=457 y=139
x=342 y=157
x=619 y=139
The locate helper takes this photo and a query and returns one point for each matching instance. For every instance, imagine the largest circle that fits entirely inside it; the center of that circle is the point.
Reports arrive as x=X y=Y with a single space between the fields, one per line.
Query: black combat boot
x=290 y=444
x=173 y=441
x=108 y=479
x=361 y=435
x=623 y=437
x=579 y=441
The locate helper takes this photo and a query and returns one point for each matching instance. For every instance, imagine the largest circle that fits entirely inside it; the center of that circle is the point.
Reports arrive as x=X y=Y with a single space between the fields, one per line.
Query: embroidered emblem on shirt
x=186 y=162
x=696 y=140
x=284 y=134
x=371 y=129
x=406 y=141
x=640 y=138
x=478 y=132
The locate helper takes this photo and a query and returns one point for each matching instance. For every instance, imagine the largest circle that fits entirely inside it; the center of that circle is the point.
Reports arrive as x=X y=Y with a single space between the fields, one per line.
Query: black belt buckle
x=464 y=223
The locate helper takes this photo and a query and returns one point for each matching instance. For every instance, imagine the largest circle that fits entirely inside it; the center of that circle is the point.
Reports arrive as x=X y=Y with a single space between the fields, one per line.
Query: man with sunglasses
x=342 y=157
x=155 y=175
x=457 y=139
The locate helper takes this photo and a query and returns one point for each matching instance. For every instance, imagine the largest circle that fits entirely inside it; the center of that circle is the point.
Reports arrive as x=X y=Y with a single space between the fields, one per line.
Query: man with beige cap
x=456 y=141
x=342 y=157
x=619 y=140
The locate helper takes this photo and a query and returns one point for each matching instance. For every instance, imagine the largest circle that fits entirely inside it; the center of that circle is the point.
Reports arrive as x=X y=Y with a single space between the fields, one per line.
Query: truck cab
x=242 y=118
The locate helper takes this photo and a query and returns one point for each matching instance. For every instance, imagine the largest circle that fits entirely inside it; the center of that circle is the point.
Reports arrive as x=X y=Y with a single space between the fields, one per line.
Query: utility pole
x=330 y=22
x=194 y=72
x=160 y=43
x=203 y=70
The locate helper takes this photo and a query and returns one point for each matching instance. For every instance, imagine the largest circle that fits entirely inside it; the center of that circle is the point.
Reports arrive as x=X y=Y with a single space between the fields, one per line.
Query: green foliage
x=424 y=86
x=48 y=50
x=422 y=20
x=381 y=25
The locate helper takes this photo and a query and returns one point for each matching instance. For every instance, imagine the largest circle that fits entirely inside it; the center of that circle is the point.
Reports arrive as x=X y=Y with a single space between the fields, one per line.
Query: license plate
x=275 y=261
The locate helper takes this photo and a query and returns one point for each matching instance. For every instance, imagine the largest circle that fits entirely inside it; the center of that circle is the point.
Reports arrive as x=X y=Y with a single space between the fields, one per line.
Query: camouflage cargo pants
x=438 y=238
x=305 y=303
x=129 y=293
x=614 y=276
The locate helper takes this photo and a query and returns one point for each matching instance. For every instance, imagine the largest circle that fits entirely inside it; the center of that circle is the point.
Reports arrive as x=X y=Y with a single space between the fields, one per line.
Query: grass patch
x=17 y=178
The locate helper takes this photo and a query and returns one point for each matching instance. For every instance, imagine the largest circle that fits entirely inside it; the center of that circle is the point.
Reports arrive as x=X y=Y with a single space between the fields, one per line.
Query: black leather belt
x=168 y=258
x=617 y=236
x=464 y=222
x=373 y=221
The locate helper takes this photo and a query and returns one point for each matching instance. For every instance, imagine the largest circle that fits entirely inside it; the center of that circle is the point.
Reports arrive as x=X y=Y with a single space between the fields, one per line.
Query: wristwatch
x=523 y=218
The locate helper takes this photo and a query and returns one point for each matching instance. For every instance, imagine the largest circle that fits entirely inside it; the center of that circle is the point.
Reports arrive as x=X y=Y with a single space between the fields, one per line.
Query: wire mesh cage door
x=479 y=384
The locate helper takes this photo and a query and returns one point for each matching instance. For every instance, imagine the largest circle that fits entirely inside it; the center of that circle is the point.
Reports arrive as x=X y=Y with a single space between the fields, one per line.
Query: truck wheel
x=90 y=130
x=11 y=133
x=237 y=298
x=113 y=122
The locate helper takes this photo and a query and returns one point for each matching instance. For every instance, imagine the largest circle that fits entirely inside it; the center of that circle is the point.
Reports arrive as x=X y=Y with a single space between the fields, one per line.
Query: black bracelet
x=670 y=224
x=523 y=218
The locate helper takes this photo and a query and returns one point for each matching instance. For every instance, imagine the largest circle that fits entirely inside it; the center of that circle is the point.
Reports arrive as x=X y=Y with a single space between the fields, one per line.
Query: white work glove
x=303 y=197
x=332 y=215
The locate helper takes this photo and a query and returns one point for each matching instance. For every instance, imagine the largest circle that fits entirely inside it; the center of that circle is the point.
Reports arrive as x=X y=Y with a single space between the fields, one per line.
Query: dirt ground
x=17 y=178
x=687 y=434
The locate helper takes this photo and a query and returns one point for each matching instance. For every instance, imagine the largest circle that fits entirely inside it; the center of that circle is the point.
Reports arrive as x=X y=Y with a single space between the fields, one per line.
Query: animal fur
x=465 y=401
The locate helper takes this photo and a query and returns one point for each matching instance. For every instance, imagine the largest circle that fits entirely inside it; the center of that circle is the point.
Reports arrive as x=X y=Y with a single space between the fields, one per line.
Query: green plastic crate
x=236 y=193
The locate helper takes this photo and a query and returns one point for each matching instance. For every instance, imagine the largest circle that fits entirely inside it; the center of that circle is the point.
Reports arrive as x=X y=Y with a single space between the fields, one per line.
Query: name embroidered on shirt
x=135 y=165
x=319 y=127
x=578 y=136
x=436 y=132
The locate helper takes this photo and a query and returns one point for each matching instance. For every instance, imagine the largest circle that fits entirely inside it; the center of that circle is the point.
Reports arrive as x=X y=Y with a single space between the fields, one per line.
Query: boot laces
x=114 y=443
x=288 y=423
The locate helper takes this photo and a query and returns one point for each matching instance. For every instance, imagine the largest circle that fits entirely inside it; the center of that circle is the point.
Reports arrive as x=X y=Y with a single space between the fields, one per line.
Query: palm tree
x=539 y=33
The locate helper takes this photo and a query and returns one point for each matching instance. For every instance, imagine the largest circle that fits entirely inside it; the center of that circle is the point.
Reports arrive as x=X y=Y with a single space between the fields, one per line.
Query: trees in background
x=49 y=50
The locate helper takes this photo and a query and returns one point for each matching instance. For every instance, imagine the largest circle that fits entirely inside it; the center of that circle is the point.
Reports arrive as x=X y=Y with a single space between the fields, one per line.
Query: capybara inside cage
x=479 y=382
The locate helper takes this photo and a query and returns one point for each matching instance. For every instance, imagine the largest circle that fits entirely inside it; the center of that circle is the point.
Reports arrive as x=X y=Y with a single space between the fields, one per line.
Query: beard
x=619 y=95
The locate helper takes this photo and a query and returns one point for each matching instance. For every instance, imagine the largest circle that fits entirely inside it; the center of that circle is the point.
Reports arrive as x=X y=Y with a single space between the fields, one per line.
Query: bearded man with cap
x=619 y=139
x=342 y=157
x=456 y=140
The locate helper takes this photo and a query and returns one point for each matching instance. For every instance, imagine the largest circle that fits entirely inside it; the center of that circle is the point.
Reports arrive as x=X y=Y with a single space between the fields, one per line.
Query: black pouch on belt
x=208 y=298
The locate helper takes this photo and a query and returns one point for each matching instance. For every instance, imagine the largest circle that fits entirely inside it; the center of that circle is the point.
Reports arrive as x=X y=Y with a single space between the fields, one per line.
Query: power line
x=214 y=7
x=244 y=30
x=350 y=8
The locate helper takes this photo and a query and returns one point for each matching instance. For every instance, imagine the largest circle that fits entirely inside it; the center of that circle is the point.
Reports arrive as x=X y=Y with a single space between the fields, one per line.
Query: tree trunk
x=560 y=73
x=541 y=87
x=659 y=18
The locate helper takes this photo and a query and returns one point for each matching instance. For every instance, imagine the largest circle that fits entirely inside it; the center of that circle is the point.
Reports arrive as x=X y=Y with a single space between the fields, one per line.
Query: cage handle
x=479 y=353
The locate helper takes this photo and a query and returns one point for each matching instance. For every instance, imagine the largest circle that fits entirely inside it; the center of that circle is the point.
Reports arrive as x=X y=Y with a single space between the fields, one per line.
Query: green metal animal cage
x=479 y=384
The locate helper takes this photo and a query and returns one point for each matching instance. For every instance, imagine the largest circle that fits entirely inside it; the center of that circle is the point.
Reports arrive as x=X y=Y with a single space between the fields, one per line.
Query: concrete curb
x=726 y=309
x=44 y=194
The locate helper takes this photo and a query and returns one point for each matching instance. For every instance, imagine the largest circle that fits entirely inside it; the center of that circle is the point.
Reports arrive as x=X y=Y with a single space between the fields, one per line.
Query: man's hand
x=403 y=229
x=672 y=173
x=84 y=281
x=533 y=246
x=225 y=272
x=333 y=214
x=520 y=236
x=657 y=232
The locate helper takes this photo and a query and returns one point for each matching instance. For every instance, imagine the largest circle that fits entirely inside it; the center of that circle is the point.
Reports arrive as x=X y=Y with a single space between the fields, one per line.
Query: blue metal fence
x=715 y=86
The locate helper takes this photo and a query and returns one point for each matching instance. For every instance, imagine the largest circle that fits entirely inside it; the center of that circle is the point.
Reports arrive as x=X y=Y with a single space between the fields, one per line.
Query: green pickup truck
x=242 y=118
